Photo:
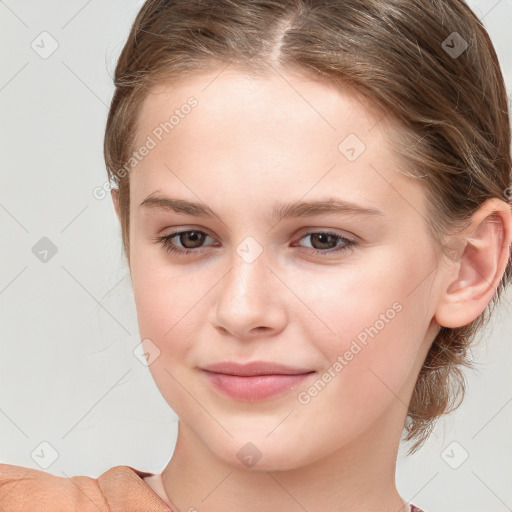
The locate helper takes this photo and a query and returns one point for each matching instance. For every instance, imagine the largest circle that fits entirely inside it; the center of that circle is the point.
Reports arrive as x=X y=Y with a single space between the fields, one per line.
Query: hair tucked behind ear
x=451 y=108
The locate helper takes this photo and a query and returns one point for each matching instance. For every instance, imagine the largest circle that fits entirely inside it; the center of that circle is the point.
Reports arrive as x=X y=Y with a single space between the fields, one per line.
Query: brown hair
x=407 y=57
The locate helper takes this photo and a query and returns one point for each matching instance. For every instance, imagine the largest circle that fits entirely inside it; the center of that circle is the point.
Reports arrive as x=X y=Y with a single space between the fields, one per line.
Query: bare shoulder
x=23 y=488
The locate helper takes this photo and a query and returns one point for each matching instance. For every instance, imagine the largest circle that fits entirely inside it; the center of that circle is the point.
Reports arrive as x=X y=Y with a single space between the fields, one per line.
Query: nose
x=250 y=301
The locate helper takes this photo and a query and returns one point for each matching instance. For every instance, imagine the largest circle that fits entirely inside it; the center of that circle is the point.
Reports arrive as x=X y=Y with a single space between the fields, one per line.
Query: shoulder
x=23 y=488
x=118 y=488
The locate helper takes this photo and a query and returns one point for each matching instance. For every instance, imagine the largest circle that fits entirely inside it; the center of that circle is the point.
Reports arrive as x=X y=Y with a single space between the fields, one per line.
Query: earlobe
x=114 y=193
x=473 y=277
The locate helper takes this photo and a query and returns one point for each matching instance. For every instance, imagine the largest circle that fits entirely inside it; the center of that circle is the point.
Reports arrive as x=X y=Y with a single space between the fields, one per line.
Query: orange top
x=120 y=489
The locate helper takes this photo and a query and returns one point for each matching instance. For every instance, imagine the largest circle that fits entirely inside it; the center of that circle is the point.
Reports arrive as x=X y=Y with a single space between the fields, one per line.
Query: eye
x=323 y=243
x=190 y=240
x=326 y=243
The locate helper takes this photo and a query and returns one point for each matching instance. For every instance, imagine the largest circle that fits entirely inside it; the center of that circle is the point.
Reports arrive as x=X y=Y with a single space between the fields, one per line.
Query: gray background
x=68 y=374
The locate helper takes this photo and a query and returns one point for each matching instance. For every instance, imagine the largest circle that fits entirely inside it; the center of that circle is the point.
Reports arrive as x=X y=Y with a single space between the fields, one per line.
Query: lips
x=255 y=368
x=254 y=381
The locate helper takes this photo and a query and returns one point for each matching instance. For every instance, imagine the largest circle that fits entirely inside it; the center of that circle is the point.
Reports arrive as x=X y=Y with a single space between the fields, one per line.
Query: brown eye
x=323 y=240
x=183 y=242
x=325 y=243
x=191 y=239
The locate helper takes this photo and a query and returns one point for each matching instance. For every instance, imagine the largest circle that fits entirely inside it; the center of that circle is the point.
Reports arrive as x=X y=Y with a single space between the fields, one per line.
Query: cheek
x=367 y=290
x=167 y=296
x=168 y=306
x=377 y=312
x=370 y=364
x=171 y=304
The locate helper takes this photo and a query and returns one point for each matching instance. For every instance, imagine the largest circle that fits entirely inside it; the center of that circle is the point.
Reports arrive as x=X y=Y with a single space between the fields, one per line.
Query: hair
x=450 y=108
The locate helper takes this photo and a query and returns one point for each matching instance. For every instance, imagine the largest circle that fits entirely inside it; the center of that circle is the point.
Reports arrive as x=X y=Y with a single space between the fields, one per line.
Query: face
x=342 y=287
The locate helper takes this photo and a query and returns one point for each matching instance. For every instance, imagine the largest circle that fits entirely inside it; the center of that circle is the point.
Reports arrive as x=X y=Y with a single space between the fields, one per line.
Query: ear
x=114 y=193
x=473 y=277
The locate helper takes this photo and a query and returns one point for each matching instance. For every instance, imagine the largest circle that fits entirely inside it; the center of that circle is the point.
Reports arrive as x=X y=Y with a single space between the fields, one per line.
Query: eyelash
x=165 y=241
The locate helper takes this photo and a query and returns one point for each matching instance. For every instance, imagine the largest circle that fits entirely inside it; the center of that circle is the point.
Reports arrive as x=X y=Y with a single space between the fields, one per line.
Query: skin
x=249 y=143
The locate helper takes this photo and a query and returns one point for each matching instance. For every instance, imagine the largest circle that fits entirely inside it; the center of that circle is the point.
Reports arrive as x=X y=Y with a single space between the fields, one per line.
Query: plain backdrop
x=74 y=398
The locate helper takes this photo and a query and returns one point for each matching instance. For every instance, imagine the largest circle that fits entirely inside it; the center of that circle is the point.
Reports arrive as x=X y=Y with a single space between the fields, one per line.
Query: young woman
x=314 y=207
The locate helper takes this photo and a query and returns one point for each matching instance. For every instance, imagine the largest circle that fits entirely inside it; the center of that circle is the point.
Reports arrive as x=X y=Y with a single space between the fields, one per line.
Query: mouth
x=254 y=381
x=255 y=368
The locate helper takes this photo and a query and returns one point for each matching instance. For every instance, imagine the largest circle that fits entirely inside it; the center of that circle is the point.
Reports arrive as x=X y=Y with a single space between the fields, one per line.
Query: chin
x=253 y=453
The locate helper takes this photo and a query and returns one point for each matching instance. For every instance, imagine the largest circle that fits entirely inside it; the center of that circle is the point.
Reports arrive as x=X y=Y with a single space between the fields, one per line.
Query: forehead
x=275 y=102
x=280 y=132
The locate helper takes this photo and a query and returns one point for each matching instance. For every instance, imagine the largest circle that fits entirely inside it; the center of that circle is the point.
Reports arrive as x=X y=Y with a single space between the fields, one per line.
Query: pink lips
x=254 y=381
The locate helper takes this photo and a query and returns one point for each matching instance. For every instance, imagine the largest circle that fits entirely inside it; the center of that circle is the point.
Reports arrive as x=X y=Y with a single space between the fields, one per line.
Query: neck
x=358 y=477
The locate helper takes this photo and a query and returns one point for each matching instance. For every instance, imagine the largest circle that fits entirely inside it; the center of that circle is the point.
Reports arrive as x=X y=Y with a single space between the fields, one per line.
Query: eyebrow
x=280 y=211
